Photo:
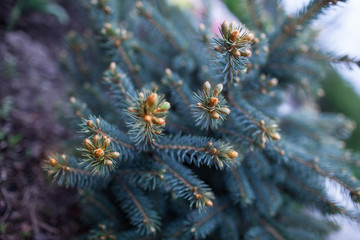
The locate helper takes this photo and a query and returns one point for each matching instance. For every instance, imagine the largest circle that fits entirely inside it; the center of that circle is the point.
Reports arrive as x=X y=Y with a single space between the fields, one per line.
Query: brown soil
x=30 y=207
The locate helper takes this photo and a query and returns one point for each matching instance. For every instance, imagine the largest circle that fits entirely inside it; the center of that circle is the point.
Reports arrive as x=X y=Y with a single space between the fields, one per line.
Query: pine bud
x=112 y=67
x=217 y=90
x=158 y=121
x=282 y=152
x=197 y=195
x=108 y=163
x=193 y=229
x=213 y=151
x=90 y=124
x=219 y=49
x=235 y=53
x=262 y=122
x=67 y=168
x=208 y=145
x=148 y=118
x=152 y=229
x=199 y=104
x=53 y=162
x=273 y=82
x=234 y=35
x=224 y=110
x=151 y=101
x=141 y=95
x=206 y=87
x=213 y=101
x=246 y=53
x=88 y=144
x=224 y=27
x=106 y=143
x=139 y=5
x=215 y=115
x=164 y=106
x=98 y=153
x=208 y=203
x=233 y=154
x=248 y=37
x=275 y=136
x=97 y=139
x=113 y=155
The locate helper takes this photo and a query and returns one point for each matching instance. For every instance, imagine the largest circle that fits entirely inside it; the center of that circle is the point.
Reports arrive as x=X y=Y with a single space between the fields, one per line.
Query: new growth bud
x=234 y=35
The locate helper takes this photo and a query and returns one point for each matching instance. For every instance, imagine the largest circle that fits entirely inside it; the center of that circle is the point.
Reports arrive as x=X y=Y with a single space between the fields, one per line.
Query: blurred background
x=33 y=97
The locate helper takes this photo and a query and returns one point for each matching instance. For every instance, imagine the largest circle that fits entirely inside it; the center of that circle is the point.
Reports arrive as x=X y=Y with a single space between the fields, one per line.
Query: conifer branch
x=270 y=229
x=130 y=66
x=199 y=194
x=136 y=202
x=100 y=205
x=158 y=26
x=254 y=16
x=322 y=172
x=314 y=7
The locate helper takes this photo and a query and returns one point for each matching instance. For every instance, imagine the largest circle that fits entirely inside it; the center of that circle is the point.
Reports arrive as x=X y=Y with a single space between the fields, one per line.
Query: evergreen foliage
x=222 y=162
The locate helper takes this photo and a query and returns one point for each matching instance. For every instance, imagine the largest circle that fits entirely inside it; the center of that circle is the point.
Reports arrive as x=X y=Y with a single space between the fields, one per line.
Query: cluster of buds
x=115 y=34
x=98 y=151
x=268 y=132
x=221 y=153
x=234 y=40
x=202 y=199
x=101 y=4
x=211 y=109
x=149 y=111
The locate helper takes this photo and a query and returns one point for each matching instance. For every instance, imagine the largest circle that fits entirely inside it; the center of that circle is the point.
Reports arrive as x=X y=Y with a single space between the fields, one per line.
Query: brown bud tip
x=107 y=26
x=206 y=86
x=98 y=153
x=199 y=104
x=152 y=229
x=157 y=132
x=53 y=162
x=256 y=40
x=194 y=189
x=219 y=49
x=224 y=110
x=88 y=144
x=235 y=52
x=273 y=82
x=208 y=203
x=139 y=4
x=197 y=195
x=246 y=53
x=113 y=155
x=233 y=154
x=97 y=139
x=215 y=115
x=213 y=101
x=249 y=37
x=112 y=67
x=168 y=72
x=148 y=118
x=67 y=169
x=217 y=89
x=213 y=151
x=282 y=152
x=208 y=145
x=262 y=122
x=108 y=163
x=90 y=124
x=159 y=121
x=276 y=136
x=224 y=26
x=106 y=143
x=151 y=99
x=234 y=35
x=193 y=229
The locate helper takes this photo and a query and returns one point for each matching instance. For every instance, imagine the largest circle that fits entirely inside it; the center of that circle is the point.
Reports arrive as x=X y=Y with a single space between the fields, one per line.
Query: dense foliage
x=189 y=134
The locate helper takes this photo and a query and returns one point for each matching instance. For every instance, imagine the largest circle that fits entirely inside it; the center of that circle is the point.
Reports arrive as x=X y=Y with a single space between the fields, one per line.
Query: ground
x=32 y=97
